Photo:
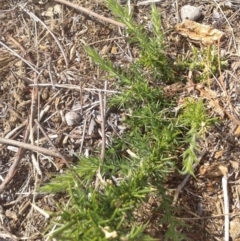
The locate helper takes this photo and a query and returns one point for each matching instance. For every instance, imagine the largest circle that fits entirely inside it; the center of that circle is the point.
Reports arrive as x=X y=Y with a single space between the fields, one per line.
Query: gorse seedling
x=138 y=164
x=195 y=118
x=204 y=64
x=106 y=65
x=152 y=55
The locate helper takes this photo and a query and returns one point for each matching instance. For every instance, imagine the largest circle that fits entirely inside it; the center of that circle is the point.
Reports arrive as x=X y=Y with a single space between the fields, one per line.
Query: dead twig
x=89 y=12
x=20 y=57
x=210 y=217
x=29 y=147
x=231 y=117
x=18 y=157
x=8 y=234
x=229 y=25
x=226 y=206
x=148 y=2
x=83 y=135
x=102 y=110
x=103 y=104
x=28 y=57
x=11 y=133
x=45 y=134
x=33 y=16
x=9 y=10
x=76 y=87
x=28 y=133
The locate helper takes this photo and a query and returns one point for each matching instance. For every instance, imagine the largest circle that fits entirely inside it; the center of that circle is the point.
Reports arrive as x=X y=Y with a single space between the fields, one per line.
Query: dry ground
x=69 y=80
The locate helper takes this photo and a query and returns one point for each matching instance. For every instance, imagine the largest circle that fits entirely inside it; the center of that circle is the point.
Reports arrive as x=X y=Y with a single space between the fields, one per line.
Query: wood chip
x=201 y=33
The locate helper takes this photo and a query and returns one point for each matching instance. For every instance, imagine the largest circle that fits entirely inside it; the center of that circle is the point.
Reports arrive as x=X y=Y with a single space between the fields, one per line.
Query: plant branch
x=45 y=134
x=89 y=12
x=226 y=206
x=102 y=110
x=29 y=147
x=33 y=16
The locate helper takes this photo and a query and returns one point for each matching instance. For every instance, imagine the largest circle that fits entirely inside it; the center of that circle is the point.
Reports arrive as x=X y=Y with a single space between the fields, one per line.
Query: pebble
x=216 y=15
x=72 y=118
x=190 y=12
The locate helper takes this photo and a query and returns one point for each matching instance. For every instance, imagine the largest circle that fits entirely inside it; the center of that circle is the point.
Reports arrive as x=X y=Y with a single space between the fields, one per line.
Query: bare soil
x=67 y=79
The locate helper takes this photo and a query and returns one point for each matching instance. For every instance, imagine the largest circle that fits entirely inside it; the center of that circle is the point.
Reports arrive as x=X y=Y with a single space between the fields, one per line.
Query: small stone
x=216 y=15
x=190 y=12
x=72 y=118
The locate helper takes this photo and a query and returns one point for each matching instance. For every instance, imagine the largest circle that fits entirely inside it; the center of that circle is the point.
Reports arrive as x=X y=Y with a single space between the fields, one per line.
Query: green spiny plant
x=194 y=118
x=137 y=165
x=152 y=49
x=203 y=63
